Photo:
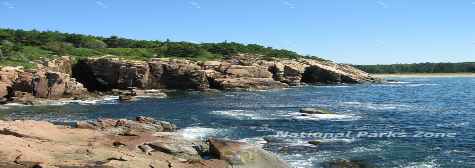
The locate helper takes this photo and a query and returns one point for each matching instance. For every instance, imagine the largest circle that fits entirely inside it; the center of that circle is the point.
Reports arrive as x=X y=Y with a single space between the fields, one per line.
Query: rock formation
x=50 y=80
x=238 y=72
x=122 y=143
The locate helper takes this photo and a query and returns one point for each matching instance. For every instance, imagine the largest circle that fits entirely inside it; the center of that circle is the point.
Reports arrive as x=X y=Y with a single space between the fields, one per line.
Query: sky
x=346 y=31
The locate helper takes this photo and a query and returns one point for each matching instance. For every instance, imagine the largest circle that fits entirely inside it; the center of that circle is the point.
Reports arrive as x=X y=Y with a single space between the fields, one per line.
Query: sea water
x=367 y=117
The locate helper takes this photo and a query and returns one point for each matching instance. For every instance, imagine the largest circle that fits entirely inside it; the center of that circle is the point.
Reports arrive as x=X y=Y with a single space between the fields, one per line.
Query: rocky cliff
x=238 y=72
x=51 y=80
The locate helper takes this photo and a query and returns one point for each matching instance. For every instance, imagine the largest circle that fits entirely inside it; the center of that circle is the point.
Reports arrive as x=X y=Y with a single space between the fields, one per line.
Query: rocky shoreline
x=85 y=78
x=143 y=142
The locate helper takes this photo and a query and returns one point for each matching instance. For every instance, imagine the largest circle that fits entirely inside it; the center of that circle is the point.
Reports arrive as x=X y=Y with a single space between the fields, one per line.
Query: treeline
x=465 y=67
x=22 y=47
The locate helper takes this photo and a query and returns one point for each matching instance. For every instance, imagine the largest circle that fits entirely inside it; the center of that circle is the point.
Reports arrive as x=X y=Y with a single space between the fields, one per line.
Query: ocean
x=415 y=122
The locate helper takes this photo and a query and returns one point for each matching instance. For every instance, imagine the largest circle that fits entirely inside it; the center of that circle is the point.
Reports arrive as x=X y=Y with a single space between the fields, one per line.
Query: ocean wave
x=375 y=106
x=422 y=84
x=195 y=133
x=397 y=82
x=333 y=86
x=103 y=100
x=362 y=149
x=240 y=114
x=257 y=141
x=424 y=164
x=298 y=160
x=335 y=117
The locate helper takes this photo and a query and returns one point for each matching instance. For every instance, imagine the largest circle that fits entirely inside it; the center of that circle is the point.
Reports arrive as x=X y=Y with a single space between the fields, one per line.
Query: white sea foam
x=398 y=82
x=425 y=164
x=257 y=141
x=422 y=84
x=15 y=104
x=374 y=106
x=362 y=149
x=298 y=161
x=195 y=133
x=334 y=86
x=240 y=114
x=334 y=117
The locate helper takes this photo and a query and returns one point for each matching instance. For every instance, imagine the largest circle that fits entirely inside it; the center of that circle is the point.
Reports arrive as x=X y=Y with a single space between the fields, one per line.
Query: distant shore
x=415 y=75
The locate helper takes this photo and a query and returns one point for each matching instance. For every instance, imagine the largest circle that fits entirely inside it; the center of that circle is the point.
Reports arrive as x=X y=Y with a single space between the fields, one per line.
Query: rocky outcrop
x=105 y=74
x=42 y=82
x=243 y=155
x=177 y=74
x=237 y=72
x=143 y=142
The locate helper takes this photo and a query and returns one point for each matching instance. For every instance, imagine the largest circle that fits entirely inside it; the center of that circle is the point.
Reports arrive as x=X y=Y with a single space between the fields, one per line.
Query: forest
x=24 y=47
x=464 y=67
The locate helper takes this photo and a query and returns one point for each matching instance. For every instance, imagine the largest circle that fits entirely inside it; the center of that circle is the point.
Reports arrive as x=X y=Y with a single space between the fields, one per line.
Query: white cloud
x=8 y=5
x=101 y=4
x=382 y=4
x=194 y=4
x=289 y=4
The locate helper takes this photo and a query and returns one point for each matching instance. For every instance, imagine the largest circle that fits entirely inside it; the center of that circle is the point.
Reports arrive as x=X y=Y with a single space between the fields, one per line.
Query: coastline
x=422 y=75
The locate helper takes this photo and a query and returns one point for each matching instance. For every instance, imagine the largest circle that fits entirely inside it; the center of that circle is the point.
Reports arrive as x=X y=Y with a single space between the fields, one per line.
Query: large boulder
x=54 y=85
x=243 y=155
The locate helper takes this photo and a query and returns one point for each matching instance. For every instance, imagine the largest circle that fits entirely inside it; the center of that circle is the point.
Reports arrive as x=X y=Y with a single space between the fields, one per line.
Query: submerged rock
x=346 y=164
x=315 y=111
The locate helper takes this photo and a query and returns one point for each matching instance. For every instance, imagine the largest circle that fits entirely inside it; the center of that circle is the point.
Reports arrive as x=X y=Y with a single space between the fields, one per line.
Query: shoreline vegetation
x=417 y=75
x=24 y=48
x=54 y=65
x=420 y=68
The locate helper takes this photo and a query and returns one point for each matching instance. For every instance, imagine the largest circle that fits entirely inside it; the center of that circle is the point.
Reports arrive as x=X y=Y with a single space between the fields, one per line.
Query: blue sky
x=346 y=31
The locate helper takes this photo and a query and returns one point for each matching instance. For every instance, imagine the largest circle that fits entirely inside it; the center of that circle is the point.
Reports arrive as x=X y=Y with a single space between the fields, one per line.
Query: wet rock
x=346 y=164
x=315 y=111
x=316 y=143
x=239 y=154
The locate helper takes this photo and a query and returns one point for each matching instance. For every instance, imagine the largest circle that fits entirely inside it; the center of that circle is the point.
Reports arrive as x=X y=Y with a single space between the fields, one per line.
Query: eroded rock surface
x=50 y=80
x=143 y=142
x=238 y=72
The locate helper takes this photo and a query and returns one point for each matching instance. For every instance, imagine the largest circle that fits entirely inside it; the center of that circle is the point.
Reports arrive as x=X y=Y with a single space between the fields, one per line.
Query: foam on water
x=422 y=84
x=257 y=141
x=240 y=114
x=398 y=82
x=425 y=164
x=333 y=117
x=335 y=86
x=195 y=133
x=379 y=106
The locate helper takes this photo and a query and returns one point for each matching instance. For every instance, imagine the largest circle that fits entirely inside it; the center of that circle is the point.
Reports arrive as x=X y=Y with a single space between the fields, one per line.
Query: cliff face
x=238 y=72
x=50 y=80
